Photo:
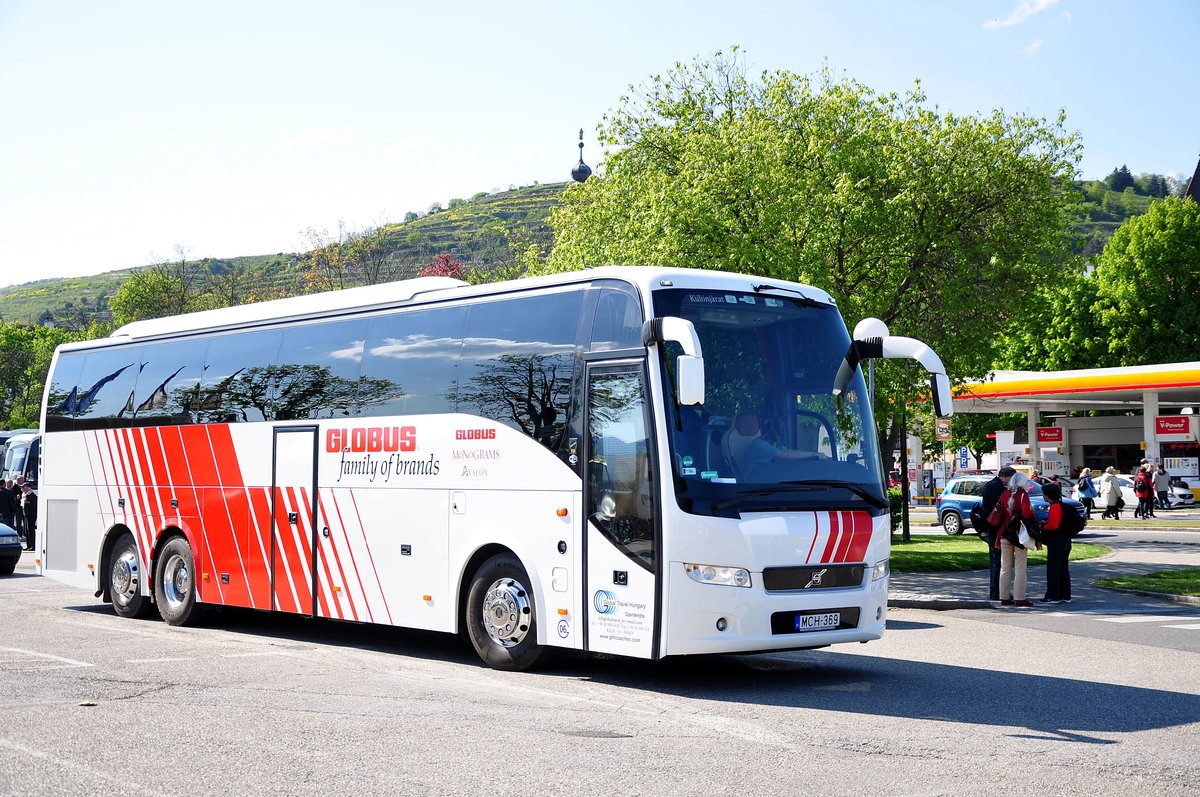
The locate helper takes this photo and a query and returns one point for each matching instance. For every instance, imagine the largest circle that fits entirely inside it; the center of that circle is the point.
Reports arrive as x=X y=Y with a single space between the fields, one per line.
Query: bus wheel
x=125 y=579
x=500 y=616
x=174 y=583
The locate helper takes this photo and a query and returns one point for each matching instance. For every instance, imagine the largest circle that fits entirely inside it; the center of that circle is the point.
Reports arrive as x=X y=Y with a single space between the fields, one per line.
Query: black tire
x=8 y=569
x=125 y=574
x=952 y=523
x=175 y=583
x=501 y=616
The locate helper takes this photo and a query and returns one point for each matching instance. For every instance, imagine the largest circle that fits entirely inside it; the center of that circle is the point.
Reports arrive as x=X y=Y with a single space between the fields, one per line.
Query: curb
x=936 y=602
x=1190 y=600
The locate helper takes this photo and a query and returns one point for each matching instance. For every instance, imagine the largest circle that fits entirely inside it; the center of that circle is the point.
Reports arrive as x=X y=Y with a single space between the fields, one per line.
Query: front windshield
x=770 y=435
x=14 y=459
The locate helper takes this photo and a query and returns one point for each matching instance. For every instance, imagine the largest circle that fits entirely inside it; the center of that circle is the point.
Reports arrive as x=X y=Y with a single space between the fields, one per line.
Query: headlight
x=717 y=574
x=881 y=570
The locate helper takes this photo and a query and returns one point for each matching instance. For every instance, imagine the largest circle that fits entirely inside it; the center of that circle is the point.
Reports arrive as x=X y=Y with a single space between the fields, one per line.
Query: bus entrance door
x=294 y=538
x=622 y=537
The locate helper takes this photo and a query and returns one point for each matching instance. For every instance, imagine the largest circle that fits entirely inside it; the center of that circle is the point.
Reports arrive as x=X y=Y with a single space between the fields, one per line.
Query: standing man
x=8 y=505
x=29 y=500
x=18 y=515
x=991 y=494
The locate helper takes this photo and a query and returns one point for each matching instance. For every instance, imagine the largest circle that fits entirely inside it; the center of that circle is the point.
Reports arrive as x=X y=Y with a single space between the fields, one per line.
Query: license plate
x=818 y=622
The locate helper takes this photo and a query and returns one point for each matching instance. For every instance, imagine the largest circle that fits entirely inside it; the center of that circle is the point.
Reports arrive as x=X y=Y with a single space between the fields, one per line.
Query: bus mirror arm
x=895 y=347
x=689 y=366
x=866 y=347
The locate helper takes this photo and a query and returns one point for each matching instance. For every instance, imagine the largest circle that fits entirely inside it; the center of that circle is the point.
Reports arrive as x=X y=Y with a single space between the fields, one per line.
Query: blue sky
x=228 y=128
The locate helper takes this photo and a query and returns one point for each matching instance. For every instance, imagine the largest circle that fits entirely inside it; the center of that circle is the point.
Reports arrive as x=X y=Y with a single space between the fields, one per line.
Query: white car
x=1178 y=496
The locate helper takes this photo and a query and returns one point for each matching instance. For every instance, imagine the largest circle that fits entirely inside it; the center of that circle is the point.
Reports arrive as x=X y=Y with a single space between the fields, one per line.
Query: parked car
x=10 y=549
x=963 y=493
x=1178 y=496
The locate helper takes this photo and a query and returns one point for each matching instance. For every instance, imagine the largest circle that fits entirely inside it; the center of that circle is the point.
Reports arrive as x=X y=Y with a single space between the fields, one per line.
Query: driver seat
x=735 y=444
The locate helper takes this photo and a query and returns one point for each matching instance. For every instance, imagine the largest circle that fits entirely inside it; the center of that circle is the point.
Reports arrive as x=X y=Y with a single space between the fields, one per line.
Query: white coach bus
x=644 y=462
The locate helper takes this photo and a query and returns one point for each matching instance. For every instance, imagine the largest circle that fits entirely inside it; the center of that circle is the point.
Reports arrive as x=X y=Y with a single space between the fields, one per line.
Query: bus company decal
x=378 y=453
x=840 y=537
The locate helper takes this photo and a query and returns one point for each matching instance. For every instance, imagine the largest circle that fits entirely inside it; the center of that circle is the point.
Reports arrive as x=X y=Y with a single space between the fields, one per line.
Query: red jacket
x=1023 y=508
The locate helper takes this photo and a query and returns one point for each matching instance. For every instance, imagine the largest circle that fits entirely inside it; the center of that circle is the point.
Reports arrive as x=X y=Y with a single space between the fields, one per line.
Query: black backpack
x=1072 y=522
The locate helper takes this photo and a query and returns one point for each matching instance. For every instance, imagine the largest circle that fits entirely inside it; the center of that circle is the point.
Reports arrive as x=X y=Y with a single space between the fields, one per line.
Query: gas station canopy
x=1169 y=385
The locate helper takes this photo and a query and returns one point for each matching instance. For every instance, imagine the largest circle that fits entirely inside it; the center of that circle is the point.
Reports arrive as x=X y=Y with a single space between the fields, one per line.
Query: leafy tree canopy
x=934 y=222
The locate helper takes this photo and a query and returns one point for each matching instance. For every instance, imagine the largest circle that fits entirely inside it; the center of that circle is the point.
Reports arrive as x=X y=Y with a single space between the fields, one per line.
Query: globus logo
x=372 y=438
x=605 y=601
x=475 y=434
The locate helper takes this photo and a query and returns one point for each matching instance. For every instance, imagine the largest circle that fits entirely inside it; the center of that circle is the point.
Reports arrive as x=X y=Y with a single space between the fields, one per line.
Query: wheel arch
x=104 y=559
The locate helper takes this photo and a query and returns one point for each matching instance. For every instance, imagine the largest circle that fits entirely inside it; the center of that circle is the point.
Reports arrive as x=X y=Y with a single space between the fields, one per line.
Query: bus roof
x=392 y=294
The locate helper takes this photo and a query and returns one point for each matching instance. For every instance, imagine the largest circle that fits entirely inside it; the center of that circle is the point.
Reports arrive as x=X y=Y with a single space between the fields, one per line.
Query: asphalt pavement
x=969 y=590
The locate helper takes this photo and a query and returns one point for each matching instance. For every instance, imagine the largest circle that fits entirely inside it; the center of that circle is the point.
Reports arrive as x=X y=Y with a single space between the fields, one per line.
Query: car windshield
x=770 y=435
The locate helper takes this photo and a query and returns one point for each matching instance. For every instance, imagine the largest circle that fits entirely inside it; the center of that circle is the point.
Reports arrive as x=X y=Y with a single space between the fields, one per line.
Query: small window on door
x=620 y=465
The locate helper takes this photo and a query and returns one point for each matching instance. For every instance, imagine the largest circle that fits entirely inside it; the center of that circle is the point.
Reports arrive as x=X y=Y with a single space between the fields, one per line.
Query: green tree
x=902 y=212
x=167 y=288
x=1148 y=287
x=1120 y=179
x=354 y=257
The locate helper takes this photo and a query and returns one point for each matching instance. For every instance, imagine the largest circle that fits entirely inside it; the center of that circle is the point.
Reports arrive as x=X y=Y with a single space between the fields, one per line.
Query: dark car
x=964 y=492
x=10 y=550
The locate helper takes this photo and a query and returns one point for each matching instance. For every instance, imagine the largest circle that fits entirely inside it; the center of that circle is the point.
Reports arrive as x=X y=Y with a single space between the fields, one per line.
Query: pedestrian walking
x=1056 y=535
x=1143 y=488
x=1162 y=486
x=1087 y=490
x=1014 y=556
x=1110 y=494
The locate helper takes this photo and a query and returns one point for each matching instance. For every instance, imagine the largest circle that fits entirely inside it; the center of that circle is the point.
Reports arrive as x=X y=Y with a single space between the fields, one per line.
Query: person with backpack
x=992 y=490
x=1014 y=556
x=1062 y=523
x=1143 y=488
x=1087 y=490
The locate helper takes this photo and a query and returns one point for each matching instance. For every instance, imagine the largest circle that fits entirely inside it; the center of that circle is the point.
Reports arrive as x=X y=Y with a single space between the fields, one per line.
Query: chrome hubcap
x=506 y=612
x=124 y=581
x=177 y=581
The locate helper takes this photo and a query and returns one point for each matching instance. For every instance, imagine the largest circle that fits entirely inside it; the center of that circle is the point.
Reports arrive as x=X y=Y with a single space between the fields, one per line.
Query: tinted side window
x=238 y=382
x=168 y=382
x=618 y=322
x=104 y=390
x=318 y=369
x=64 y=391
x=517 y=363
x=409 y=362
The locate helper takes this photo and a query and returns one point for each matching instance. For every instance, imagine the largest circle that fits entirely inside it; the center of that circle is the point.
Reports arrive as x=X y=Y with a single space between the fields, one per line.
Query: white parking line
x=35 y=654
x=1185 y=626
x=1145 y=618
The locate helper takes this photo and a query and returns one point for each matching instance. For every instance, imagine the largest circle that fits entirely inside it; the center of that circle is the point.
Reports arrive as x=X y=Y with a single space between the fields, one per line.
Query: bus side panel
x=386 y=553
x=530 y=524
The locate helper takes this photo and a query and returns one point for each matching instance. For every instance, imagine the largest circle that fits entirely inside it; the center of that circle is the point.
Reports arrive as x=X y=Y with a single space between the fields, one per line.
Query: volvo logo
x=815 y=579
x=605 y=601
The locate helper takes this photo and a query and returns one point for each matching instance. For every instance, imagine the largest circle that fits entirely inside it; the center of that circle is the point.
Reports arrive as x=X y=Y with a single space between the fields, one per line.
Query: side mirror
x=689 y=367
x=690 y=371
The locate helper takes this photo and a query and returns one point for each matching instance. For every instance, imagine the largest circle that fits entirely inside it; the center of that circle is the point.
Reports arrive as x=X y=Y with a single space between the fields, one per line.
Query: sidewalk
x=969 y=590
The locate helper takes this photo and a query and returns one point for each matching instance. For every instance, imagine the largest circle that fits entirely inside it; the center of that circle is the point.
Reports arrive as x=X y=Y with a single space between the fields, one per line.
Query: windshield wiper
x=860 y=490
x=798 y=487
x=806 y=300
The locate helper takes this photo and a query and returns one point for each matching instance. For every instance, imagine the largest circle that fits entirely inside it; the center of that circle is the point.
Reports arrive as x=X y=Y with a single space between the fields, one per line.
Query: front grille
x=810 y=577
